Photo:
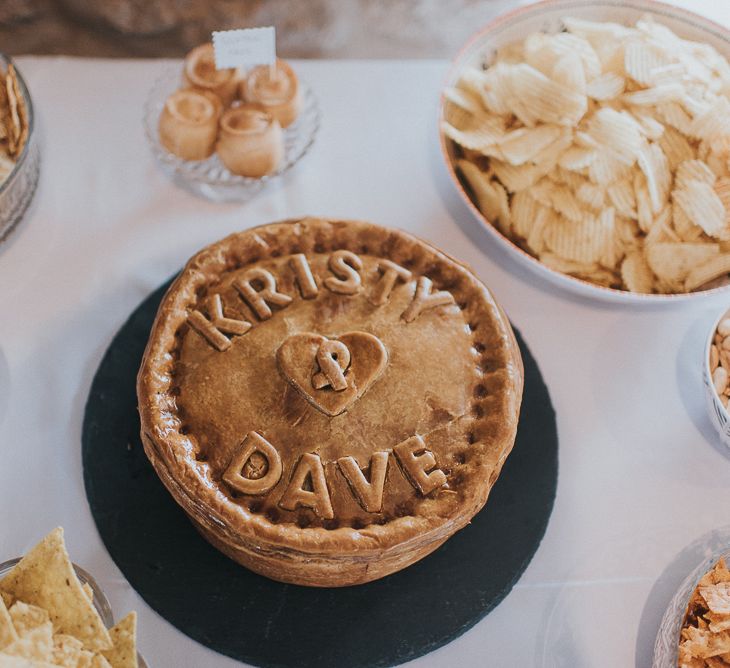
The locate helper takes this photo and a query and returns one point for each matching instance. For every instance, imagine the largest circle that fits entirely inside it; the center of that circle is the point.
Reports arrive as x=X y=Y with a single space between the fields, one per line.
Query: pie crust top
x=331 y=387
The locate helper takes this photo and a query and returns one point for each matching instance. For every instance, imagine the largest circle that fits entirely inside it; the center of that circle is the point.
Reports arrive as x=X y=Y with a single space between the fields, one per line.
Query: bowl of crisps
x=19 y=154
x=694 y=629
x=592 y=141
x=53 y=612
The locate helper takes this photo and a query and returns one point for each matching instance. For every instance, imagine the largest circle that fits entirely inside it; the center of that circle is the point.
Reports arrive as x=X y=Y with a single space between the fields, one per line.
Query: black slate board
x=265 y=623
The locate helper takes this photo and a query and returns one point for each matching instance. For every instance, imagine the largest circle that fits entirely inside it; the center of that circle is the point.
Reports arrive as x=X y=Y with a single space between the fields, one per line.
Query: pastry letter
x=212 y=328
x=391 y=273
x=368 y=494
x=259 y=300
x=424 y=299
x=420 y=469
x=303 y=272
x=309 y=466
x=346 y=266
x=234 y=476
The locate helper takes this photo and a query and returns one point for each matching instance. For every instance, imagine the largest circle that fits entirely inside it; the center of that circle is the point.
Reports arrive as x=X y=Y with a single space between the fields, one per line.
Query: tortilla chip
x=7 y=661
x=85 y=659
x=27 y=617
x=8 y=634
x=124 y=637
x=66 y=650
x=45 y=577
x=37 y=644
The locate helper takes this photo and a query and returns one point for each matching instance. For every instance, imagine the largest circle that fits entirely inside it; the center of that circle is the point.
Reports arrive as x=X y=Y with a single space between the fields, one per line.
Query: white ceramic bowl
x=547 y=16
x=719 y=415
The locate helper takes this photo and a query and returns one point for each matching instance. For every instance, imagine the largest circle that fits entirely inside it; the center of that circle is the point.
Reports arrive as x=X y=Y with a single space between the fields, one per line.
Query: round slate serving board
x=265 y=623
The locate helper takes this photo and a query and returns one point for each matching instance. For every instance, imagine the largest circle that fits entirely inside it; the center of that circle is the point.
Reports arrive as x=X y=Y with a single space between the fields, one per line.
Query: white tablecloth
x=642 y=475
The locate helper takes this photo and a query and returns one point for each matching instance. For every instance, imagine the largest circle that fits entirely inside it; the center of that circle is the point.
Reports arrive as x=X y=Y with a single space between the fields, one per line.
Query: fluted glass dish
x=210 y=178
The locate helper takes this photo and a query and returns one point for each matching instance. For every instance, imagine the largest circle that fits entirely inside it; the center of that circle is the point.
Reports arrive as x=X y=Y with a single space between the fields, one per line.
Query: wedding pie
x=328 y=401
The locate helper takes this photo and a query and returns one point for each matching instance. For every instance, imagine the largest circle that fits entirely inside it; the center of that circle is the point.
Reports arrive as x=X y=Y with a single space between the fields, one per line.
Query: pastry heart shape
x=297 y=359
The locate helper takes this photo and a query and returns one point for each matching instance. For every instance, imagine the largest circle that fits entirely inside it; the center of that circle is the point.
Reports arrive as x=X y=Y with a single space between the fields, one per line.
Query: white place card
x=241 y=48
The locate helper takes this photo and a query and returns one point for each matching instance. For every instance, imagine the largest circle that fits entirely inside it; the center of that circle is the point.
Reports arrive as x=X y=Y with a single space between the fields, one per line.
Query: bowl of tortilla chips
x=53 y=613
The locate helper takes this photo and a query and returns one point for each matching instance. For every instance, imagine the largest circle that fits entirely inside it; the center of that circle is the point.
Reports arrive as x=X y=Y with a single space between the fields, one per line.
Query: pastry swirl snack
x=250 y=141
x=328 y=401
x=276 y=90
x=189 y=124
x=200 y=72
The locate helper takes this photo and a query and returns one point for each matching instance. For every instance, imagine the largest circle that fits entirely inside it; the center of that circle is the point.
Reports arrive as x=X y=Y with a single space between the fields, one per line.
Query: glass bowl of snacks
x=53 y=611
x=591 y=139
x=716 y=375
x=224 y=134
x=19 y=154
x=694 y=629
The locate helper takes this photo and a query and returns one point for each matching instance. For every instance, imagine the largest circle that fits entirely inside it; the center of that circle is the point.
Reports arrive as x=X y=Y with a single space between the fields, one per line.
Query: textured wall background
x=305 y=28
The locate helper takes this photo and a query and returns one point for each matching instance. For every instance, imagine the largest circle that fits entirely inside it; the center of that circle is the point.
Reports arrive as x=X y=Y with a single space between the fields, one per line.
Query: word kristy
x=345 y=280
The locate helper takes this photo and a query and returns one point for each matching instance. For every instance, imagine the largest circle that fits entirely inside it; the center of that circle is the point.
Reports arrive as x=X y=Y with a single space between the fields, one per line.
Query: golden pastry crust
x=444 y=380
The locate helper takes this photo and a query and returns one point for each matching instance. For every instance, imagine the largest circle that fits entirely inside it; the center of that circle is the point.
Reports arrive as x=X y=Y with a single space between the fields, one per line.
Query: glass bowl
x=101 y=603
x=666 y=646
x=16 y=192
x=547 y=16
x=210 y=178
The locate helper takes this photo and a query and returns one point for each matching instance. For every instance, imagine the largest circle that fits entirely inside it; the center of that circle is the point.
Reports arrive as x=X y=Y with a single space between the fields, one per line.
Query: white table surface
x=642 y=475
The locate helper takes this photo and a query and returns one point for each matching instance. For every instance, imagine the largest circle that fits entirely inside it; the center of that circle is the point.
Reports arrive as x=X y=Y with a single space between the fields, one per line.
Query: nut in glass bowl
x=209 y=178
x=16 y=191
x=101 y=603
x=716 y=375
